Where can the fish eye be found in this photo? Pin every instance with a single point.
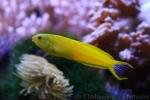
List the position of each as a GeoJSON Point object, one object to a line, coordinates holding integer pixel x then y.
{"type": "Point", "coordinates": [39, 37]}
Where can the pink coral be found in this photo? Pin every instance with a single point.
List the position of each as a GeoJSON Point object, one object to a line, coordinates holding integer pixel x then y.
{"type": "Point", "coordinates": [21, 18]}
{"type": "Point", "coordinates": [119, 32]}
{"type": "Point", "coordinates": [122, 29]}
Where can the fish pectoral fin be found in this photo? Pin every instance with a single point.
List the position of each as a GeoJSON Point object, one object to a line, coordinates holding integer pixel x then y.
{"type": "Point", "coordinates": [92, 65]}
{"type": "Point", "coordinates": [60, 51]}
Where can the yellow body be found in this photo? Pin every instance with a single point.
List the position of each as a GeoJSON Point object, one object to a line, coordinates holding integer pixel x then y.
{"type": "Point", "coordinates": [78, 51]}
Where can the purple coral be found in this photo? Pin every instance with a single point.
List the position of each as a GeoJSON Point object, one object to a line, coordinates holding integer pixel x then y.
{"type": "Point", "coordinates": [116, 27]}
{"type": "Point", "coordinates": [126, 54]}
{"type": "Point", "coordinates": [123, 30]}
{"type": "Point", "coordinates": [19, 18]}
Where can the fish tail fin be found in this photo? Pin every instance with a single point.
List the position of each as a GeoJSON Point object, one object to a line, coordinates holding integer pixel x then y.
{"type": "Point", "coordinates": [118, 68]}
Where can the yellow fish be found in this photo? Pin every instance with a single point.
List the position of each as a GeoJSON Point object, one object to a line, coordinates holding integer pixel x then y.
{"type": "Point", "coordinates": [81, 52]}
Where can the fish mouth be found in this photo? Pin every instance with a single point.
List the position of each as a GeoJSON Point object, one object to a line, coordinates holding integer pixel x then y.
{"type": "Point", "coordinates": [33, 38]}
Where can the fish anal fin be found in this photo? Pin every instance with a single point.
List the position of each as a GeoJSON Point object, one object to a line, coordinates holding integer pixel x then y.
{"type": "Point", "coordinates": [92, 65]}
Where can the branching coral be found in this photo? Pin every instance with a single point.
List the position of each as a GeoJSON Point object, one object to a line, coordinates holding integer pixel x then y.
{"type": "Point", "coordinates": [138, 44]}
{"type": "Point", "coordinates": [122, 28]}
{"type": "Point", "coordinates": [19, 18]}
{"type": "Point", "coordinates": [120, 31]}
{"type": "Point", "coordinates": [43, 78]}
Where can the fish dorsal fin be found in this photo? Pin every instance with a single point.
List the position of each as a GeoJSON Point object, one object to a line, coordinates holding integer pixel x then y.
{"type": "Point", "coordinates": [99, 50]}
